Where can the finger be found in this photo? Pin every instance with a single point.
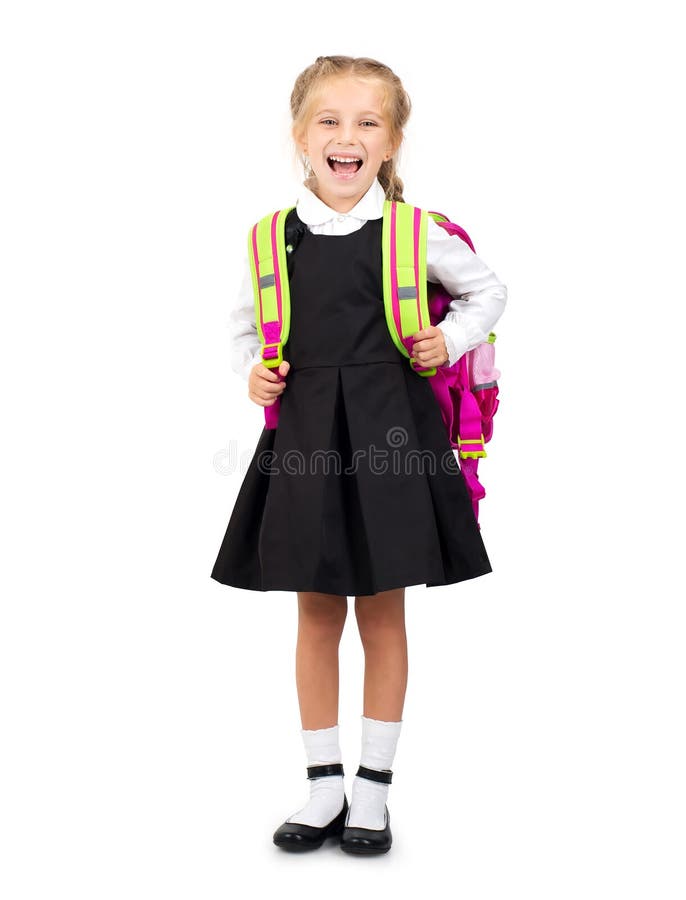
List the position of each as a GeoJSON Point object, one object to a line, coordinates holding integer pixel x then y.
{"type": "Point", "coordinates": [435, 357]}
{"type": "Point", "coordinates": [267, 374]}
{"type": "Point", "coordinates": [428, 332]}
{"type": "Point", "coordinates": [263, 399]}
{"type": "Point", "coordinates": [263, 391]}
{"type": "Point", "coordinates": [429, 345]}
{"type": "Point", "coordinates": [261, 402]}
{"type": "Point", "coordinates": [430, 342]}
{"type": "Point", "coordinates": [268, 389]}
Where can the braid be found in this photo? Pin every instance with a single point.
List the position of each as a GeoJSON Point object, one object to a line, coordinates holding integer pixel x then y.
{"type": "Point", "coordinates": [391, 181]}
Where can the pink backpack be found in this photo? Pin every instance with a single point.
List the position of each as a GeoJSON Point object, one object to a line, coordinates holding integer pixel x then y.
{"type": "Point", "coordinates": [467, 392]}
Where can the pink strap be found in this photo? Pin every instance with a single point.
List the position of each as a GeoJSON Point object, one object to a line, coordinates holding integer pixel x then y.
{"type": "Point", "coordinates": [474, 487]}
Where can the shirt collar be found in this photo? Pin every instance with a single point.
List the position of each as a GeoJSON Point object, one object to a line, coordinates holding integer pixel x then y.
{"type": "Point", "coordinates": [313, 211]}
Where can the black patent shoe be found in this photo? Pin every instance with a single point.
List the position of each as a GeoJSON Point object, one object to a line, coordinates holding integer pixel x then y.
{"type": "Point", "coordinates": [355, 839]}
{"type": "Point", "coordinates": [296, 837]}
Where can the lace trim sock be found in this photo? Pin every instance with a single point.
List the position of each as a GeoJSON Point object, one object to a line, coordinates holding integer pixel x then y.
{"type": "Point", "coordinates": [368, 798]}
{"type": "Point", "coordinates": [326, 792]}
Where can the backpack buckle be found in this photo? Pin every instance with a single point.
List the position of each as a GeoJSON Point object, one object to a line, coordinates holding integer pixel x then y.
{"type": "Point", "coordinates": [272, 354]}
{"type": "Point", "coordinates": [474, 447]}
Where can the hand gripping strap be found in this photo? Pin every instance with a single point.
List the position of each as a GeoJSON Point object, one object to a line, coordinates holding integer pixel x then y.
{"type": "Point", "coordinates": [385, 775]}
{"type": "Point", "coordinates": [325, 769]}
{"type": "Point", "coordinates": [406, 306]}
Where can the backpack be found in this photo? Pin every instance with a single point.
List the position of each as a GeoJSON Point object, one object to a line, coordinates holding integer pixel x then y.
{"type": "Point", "coordinates": [466, 392]}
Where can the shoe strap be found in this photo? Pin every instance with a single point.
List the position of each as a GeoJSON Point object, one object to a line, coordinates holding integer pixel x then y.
{"type": "Point", "coordinates": [385, 775]}
{"type": "Point", "coordinates": [325, 769]}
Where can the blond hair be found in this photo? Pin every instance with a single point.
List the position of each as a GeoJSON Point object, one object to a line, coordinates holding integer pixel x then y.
{"type": "Point", "coordinates": [396, 103]}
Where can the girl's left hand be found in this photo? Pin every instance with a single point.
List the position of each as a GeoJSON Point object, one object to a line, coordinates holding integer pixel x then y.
{"type": "Point", "coordinates": [429, 347]}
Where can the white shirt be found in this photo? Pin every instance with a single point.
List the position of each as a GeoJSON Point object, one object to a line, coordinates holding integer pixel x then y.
{"type": "Point", "coordinates": [478, 296]}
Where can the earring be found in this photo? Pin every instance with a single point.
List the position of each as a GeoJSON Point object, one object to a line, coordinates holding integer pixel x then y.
{"type": "Point", "coordinates": [308, 167]}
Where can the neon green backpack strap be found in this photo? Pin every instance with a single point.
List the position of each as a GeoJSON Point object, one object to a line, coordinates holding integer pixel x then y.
{"type": "Point", "coordinates": [404, 276]}
{"type": "Point", "coordinates": [267, 257]}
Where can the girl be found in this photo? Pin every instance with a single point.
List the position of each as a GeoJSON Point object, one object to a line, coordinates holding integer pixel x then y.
{"type": "Point", "coordinates": [359, 524]}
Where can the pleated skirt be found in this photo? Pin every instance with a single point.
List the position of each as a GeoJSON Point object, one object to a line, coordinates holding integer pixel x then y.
{"type": "Point", "coordinates": [357, 491]}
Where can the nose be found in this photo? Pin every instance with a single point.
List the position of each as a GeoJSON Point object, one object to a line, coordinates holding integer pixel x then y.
{"type": "Point", "coordinates": [345, 133]}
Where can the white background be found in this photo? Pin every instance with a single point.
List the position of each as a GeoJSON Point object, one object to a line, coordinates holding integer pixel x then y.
{"type": "Point", "coordinates": [151, 728]}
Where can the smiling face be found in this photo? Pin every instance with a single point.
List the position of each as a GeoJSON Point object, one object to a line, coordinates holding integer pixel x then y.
{"type": "Point", "coordinates": [347, 138]}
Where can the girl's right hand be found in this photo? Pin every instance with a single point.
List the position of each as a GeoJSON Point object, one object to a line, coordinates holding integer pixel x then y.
{"type": "Point", "coordinates": [266, 385]}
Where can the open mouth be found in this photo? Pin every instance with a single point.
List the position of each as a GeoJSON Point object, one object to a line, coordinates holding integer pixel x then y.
{"type": "Point", "coordinates": [347, 166]}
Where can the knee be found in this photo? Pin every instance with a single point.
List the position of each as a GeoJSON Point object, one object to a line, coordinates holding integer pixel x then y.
{"type": "Point", "coordinates": [378, 622]}
{"type": "Point", "coordinates": [324, 614]}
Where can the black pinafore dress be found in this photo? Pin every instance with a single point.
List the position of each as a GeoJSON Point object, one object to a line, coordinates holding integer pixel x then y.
{"type": "Point", "coordinates": [358, 489]}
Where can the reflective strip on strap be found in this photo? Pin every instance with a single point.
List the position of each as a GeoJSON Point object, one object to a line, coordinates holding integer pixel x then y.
{"type": "Point", "coordinates": [407, 293]}
{"type": "Point", "coordinates": [267, 281]}
{"type": "Point", "coordinates": [486, 384]}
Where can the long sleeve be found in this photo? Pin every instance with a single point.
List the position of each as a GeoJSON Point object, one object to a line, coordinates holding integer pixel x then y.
{"type": "Point", "coordinates": [246, 349]}
{"type": "Point", "coordinates": [478, 296]}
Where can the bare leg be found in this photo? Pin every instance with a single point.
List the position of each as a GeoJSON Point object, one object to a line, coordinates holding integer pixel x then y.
{"type": "Point", "coordinates": [381, 623]}
{"type": "Point", "coordinates": [321, 618]}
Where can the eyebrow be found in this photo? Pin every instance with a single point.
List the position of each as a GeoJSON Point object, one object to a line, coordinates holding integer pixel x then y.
{"type": "Point", "coordinates": [366, 112]}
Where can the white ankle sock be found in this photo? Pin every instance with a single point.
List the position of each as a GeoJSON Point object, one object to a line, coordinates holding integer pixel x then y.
{"type": "Point", "coordinates": [368, 797]}
{"type": "Point", "coordinates": [326, 792]}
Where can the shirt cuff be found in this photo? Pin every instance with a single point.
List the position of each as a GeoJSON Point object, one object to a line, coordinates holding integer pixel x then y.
{"type": "Point", "coordinates": [455, 341]}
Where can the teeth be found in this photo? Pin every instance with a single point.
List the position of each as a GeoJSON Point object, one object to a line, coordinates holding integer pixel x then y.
{"type": "Point", "coordinates": [345, 159]}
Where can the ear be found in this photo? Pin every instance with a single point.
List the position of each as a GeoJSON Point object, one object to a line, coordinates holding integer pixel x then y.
{"type": "Point", "coordinates": [391, 151]}
{"type": "Point", "coordinates": [300, 141]}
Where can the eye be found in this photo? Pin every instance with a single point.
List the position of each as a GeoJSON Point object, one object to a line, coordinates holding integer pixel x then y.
{"type": "Point", "coordinates": [369, 122]}
{"type": "Point", "coordinates": [328, 122]}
